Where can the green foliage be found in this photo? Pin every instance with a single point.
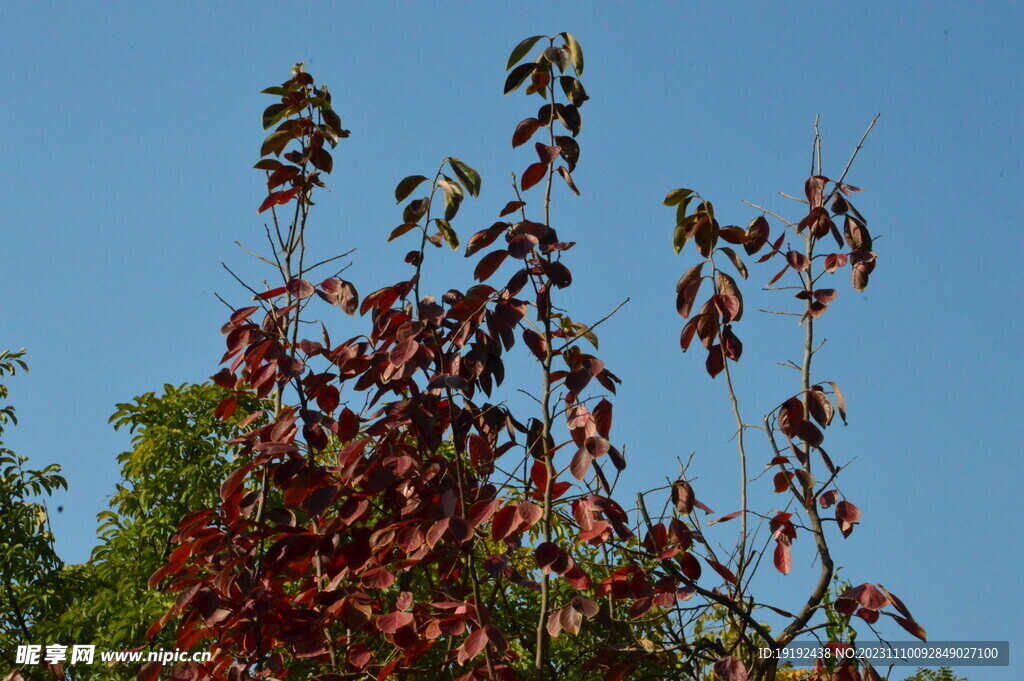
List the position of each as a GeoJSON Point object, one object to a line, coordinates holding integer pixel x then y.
{"type": "Point", "coordinates": [940, 674]}
{"type": "Point", "coordinates": [175, 466]}
{"type": "Point", "coordinates": [30, 570]}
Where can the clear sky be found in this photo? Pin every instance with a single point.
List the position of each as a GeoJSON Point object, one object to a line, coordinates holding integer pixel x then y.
{"type": "Point", "coordinates": [129, 131]}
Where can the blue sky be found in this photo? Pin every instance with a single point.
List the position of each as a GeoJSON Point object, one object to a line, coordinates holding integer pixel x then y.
{"type": "Point", "coordinates": [129, 132]}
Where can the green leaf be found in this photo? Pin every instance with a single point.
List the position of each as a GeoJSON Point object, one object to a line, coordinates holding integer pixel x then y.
{"type": "Point", "coordinates": [681, 209]}
{"type": "Point", "coordinates": [518, 76]}
{"type": "Point", "coordinates": [402, 229]}
{"type": "Point", "coordinates": [706, 236]}
{"type": "Point", "coordinates": [277, 90]}
{"type": "Point", "coordinates": [735, 259]}
{"type": "Point", "coordinates": [451, 205]}
{"type": "Point", "coordinates": [276, 142]}
{"type": "Point", "coordinates": [407, 186]}
{"type": "Point", "coordinates": [450, 186]}
{"type": "Point", "coordinates": [449, 234]}
{"type": "Point", "coordinates": [272, 114]}
{"type": "Point", "coordinates": [575, 52]}
{"type": "Point", "coordinates": [573, 90]}
{"type": "Point", "coordinates": [469, 177]}
{"type": "Point", "coordinates": [521, 49]}
{"type": "Point", "coordinates": [707, 208]}
{"type": "Point", "coordinates": [679, 238]}
{"type": "Point", "coordinates": [677, 196]}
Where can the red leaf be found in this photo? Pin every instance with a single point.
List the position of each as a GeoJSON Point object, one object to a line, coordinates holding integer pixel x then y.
{"type": "Point", "coordinates": [529, 513]}
{"type": "Point", "coordinates": [272, 293]}
{"type": "Point", "coordinates": [688, 332]}
{"type": "Point", "coordinates": [580, 464]}
{"type": "Point", "coordinates": [489, 264]}
{"type": "Point", "coordinates": [328, 398]}
{"type": "Point", "coordinates": [798, 261]}
{"type": "Point", "coordinates": [271, 200]}
{"type": "Point", "coordinates": [835, 261]}
{"type": "Point", "coordinates": [814, 190]}
{"type": "Point", "coordinates": [393, 621]}
{"type": "Point", "coordinates": [840, 401]}
{"type": "Point", "coordinates": [756, 235]}
{"type": "Point", "coordinates": [524, 131]}
{"type": "Point", "coordinates": [300, 288]}
{"type": "Point", "coordinates": [547, 554]}
{"type": "Point", "coordinates": [730, 669]}
{"type": "Point", "coordinates": [778, 276]}
{"type": "Point", "coordinates": [386, 670]}
{"type": "Point", "coordinates": [869, 616]}
{"type": "Point", "coordinates": [150, 671]}
{"type": "Point", "coordinates": [536, 343]}
{"type": "Point", "coordinates": [564, 172]}
{"type": "Point", "coordinates": [570, 620]}
{"type": "Point", "coordinates": [726, 518]}
{"type": "Point", "coordinates": [868, 596]}
{"type": "Point", "coordinates": [545, 153]}
{"type": "Point", "coordinates": [234, 481]}
{"type": "Point", "coordinates": [539, 475]}
{"type": "Point", "coordinates": [716, 361]}
{"type": "Point", "coordinates": [726, 574]}
{"type": "Point", "coordinates": [511, 207]}
{"type": "Point", "coordinates": [504, 522]}
{"type": "Point", "coordinates": [403, 352]}
{"type": "Point", "coordinates": [781, 481]}
{"type": "Point", "coordinates": [912, 626]}
{"type": "Point", "coordinates": [603, 417]}
{"type": "Point", "coordinates": [691, 566]}
{"type": "Point", "coordinates": [377, 578]}
{"type": "Point", "coordinates": [496, 638]}
{"type": "Point", "coordinates": [226, 408]}
{"type": "Point", "coordinates": [783, 559]}
{"type": "Point", "coordinates": [482, 511]}
{"type": "Point", "coordinates": [683, 497]}
{"type": "Point", "coordinates": [534, 174]}
{"type": "Point", "coordinates": [846, 515]}
{"type": "Point", "coordinates": [557, 272]}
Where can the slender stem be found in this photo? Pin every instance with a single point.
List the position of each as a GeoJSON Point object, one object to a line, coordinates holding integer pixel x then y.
{"type": "Point", "coordinates": [540, 654]}
{"type": "Point", "coordinates": [824, 555]}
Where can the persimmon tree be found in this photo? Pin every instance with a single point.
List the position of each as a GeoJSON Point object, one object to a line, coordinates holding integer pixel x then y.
{"type": "Point", "coordinates": [394, 515]}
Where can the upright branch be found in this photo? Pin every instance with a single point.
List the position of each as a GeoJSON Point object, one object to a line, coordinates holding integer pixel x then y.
{"type": "Point", "coordinates": [800, 419]}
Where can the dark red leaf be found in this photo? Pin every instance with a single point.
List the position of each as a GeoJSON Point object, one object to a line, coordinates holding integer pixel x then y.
{"type": "Point", "coordinates": [846, 515]}
{"type": "Point", "coordinates": [489, 264]}
{"type": "Point", "coordinates": [150, 671]}
{"type": "Point", "coordinates": [564, 172]}
{"type": "Point", "coordinates": [798, 261]}
{"type": "Point", "coordinates": [534, 174]}
{"type": "Point", "coordinates": [524, 131]}
{"type": "Point", "coordinates": [730, 669]}
{"type": "Point", "coordinates": [715, 362]}
{"type": "Point", "coordinates": [511, 207]}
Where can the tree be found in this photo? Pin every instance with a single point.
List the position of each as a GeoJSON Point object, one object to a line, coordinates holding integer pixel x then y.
{"type": "Point", "coordinates": [175, 466]}
{"type": "Point", "coordinates": [940, 674]}
{"type": "Point", "coordinates": [433, 530]}
{"type": "Point", "coordinates": [31, 580]}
